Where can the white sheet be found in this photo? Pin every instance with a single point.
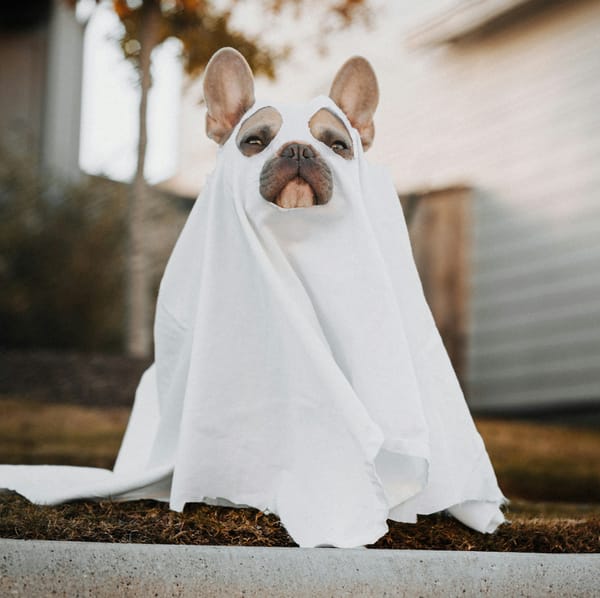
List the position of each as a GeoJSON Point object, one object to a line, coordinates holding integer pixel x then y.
{"type": "Point", "coordinates": [298, 369]}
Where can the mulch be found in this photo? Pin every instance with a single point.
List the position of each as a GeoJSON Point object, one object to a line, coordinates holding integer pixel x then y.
{"type": "Point", "coordinates": [149, 522]}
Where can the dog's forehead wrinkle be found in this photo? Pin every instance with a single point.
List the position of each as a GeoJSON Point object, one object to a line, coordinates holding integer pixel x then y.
{"type": "Point", "coordinates": [325, 122]}
{"type": "Point", "coordinates": [327, 114]}
{"type": "Point", "coordinates": [331, 134]}
{"type": "Point", "coordinates": [266, 116]}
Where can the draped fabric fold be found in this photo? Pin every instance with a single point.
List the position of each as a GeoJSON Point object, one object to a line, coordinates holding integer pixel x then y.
{"type": "Point", "coordinates": [297, 369]}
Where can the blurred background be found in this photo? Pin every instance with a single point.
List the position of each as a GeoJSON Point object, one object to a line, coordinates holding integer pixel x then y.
{"type": "Point", "coordinates": [489, 121]}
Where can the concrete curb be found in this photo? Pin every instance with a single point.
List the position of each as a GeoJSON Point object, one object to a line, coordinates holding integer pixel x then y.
{"type": "Point", "coordinates": [38, 568]}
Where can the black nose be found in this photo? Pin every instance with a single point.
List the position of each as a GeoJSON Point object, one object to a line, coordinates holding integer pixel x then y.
{"type": "Point", "coordinates": [298, 151]}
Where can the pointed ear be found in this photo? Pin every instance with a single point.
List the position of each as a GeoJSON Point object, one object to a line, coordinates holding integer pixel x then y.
{"type": "Point", "coordinates": [228, 92]}
{"type": "Point", "coordinates": [355, 91]}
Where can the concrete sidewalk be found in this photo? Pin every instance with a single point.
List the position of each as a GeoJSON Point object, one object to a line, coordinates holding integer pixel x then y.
{"type": "Point", "coordinates": [39, 568]}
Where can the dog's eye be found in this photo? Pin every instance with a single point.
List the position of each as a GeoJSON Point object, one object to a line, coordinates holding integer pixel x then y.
{"type": "Point", "coordinates": [254, 140]}
{"type": "Point", "coordinates": [339, 146]}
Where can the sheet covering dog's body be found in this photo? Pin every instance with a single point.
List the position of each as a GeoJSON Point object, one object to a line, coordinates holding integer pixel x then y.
{"type": "Point", "coordinates": [298, 369]}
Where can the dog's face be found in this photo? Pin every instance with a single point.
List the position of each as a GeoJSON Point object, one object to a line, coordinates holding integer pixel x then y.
{"type": "Point", "coordinates": [297, 175]}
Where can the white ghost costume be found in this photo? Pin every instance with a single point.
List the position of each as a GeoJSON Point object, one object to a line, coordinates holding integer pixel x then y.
{"type": "Point", "coordinates": [298, 369]}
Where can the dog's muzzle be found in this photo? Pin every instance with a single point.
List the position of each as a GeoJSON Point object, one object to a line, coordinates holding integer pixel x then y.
{"type": "Point", "coordinates": [296, 177]}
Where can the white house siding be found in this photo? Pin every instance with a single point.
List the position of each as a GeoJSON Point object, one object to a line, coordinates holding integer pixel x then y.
{"type": "Point", "coordinates": [516, 114]}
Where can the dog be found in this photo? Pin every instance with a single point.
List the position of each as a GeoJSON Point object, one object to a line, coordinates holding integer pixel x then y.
{"type": "Point", "coordinates": [298, 175]}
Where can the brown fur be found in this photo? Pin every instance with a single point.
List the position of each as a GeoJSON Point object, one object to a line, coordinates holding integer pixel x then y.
{"type": "Point", "coordinates": [297, 176]}
{"type": "Point", "coordinates": [356, 92]}
{"type": "Point", "coordinates": [284, 177]}
{"type": "Point", "coordinates": [228, 92]}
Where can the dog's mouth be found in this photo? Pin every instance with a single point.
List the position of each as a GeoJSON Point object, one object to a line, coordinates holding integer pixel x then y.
{"type": "Point", "coordinates": [290, 182]}
{"type": "Point", "coordinates": [296, 194]}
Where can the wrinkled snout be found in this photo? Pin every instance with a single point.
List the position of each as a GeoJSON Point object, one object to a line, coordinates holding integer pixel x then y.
{"type": "Point", "coordinates": [296, 177]}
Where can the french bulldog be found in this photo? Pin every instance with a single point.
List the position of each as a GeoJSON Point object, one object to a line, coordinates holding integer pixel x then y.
{"type": "Point", "coordinates": [298, 175]}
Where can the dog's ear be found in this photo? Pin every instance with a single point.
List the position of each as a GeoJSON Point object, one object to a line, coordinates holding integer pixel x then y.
{"type": "Point", "coordinates": [228, 92]}
{"type": "Point", "coordinates": [355, 91]}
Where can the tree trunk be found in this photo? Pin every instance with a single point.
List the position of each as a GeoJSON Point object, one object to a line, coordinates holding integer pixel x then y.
{"type": "Point", "coordinates": [138, 326]}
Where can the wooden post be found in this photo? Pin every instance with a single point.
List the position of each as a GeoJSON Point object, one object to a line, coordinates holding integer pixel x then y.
{"type": "Point", "coordinates": [439, 228]}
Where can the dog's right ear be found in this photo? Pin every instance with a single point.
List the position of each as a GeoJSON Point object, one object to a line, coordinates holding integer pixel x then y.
{"type": "Point", "coordinates": [228, 92]}
{"type": "Point", "coordinates": [355, 91]}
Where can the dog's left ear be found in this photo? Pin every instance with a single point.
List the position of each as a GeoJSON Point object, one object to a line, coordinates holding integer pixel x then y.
{"type": "Point", "coordinates": [356, 92]}
{"type": "Point", "coordinates": [228, 92]}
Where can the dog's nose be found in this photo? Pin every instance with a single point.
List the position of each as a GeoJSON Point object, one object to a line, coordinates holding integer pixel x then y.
{"type": "Point", "coordinates": [298, 151]}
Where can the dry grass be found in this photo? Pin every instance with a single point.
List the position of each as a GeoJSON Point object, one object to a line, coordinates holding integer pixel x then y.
{"type": "Point", "coordinates": [542, 462]}
{"type": "Point", "coordinates": [43, 433]}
